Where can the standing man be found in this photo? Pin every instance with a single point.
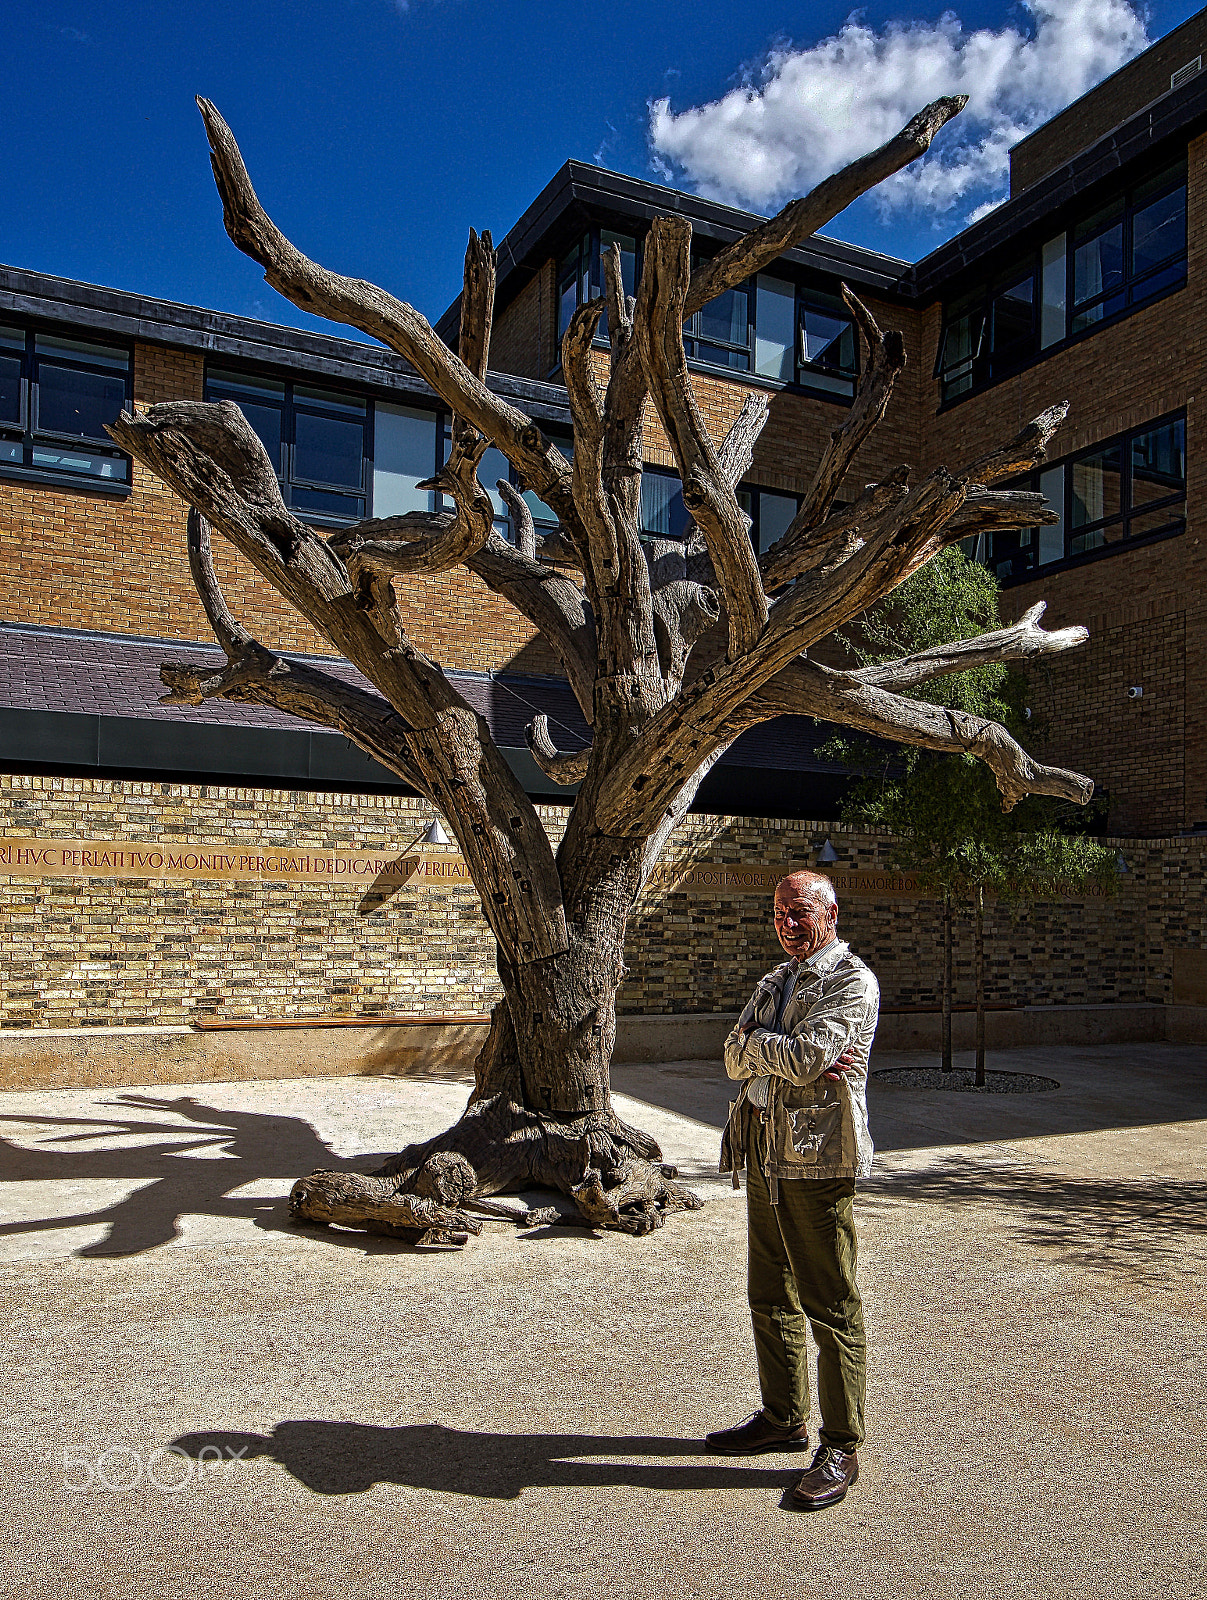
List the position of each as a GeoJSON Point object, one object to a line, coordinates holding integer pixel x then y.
{"type": "Point", "coordinates": [800, 1127]}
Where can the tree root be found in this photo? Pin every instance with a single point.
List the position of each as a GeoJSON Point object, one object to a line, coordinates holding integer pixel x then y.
{"type": "Point", "coordinates": [439, 1192]}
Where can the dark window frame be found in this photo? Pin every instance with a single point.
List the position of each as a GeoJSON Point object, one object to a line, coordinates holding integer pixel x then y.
{"type": "Point", "coordinates": [1129, 208]}
{"type": "Point", "coordinates": [580, 265]}
{"type": "Point", "coordinates": [1136, 291]}
{"type": "Point", "coordinates": [693, 339]}
{"type": "Point", "coordinates": [1174, 503]}
{"type": "Point", "coordinates": [589, 263]}
{"type": "Point", "coordinates": [29, 436]}
{"type": "Point", "coordinates": [290, 406]}
{"type": "Point", "coordinates": [748, 498]}
{"type": "Point", "coordinates": [808, 298]}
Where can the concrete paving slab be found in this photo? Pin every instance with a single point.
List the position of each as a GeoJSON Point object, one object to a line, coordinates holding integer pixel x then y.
{"type": "Point", "coordinates": [523, 1418]}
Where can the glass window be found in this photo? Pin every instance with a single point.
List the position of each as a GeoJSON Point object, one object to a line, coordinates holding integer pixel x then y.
{"type": "Point", "coordinates": [774, 328]}
{"type": "Point", "coordinates": [961, 346]}
{"type": "Point", "coordinates": [1012, 336]}
{"type": "Point", "coordinates": [404, 454]}
{"type": "Point", "coordinates": [828, 345]}
{"type": "Point", "coordinates": [1128, 488]}
{"type": "Point", "coordinates": [56, 397]}
{"type": "Point", "coordinates": [1097, 490]}
{"type": "Point", "coordinates": [1053, 275]}
{"type": "Point", "coordinates": [580, 275]}
{"type": "Point", "coordinates": [316, 439]}
{"type": "Point", "coordinates": [723, 320]}
{"type": "Point", "coordinates": [11, 392]}
{"type": "Point", "coordinates": [1009, 552]}
{"type": "Point", "coordinates": [493, 466]}
{"type": "Point", "coordinates": [663, 514]}
{"type": "Point", "coordinates": [1159, 240]}
{"type": "Point", "coordinates": [1159, 463]}
{"type": "Point", "coordinates": [1130, 250]}
{"type": "Point", "coordinates": [77, 403]}
{"type": "Point", "coordinates": [776, 512]}
{"type": "Point", "coordinates": [1050, 544]}
{"type": "Point", "coordinates": [573, 284]}
{"type": "Point", "coordinates": [328, 450]}
{"type": "Point", "coordinates": [1120, 255]}
{"type": "Point", "coordinates": [1098, 277]}
{"type": "Point", "coordinates": [720, 332]}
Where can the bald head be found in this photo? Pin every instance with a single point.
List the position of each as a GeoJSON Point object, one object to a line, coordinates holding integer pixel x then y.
{"type": "Point", "coordinates": [806, 913]}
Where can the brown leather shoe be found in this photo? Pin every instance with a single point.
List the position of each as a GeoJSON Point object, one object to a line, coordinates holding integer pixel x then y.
{"type": "Point", "coordinates": [827, 1480]}
{"type": "Point", "coordinates": [755, 1436]}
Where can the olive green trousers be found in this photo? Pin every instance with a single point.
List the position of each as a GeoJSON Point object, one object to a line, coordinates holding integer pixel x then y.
{"type": "Point", "coordinates": [801, 1273]}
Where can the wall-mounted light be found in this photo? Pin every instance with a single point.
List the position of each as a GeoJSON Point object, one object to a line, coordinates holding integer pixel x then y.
{"type": "Point", "coordinates": [435, 834]}
{"type": "Point", "coordinates": [827, 855]}
{"type": "Point", "coordinates": [1136, 692]}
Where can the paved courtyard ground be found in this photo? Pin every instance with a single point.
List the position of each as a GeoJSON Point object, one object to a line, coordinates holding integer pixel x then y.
{"type": "Point", "coordinates": [523, 1419]}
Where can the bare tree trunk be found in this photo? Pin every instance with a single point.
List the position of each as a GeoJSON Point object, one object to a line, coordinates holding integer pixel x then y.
{"type": "Point", "coordinates": [540, 1115]}
{"type": "Point", "coordinates": [947, 978]}
{"type": "Point", "coordinates": [980, 986]}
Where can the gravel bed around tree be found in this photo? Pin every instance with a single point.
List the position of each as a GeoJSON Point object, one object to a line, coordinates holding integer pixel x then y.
{"type": "Point", "coordinates": [964, 1080]}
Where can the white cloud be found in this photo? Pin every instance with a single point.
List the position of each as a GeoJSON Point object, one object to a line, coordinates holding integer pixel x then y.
{"type": "Point", "coordinates": [804, 113]}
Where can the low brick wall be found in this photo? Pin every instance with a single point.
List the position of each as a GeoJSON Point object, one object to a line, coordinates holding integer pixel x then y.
{"type": "Point", "coordinates": [106, 952]}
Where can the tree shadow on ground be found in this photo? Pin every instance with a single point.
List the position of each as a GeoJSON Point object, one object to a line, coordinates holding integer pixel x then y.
{"type": "Point", "coordinates": [350, 1457]}
{"type": "Point", "coordinates": [1142, 1226]}
{"type": "Point", "coordinates": [236, 1148]}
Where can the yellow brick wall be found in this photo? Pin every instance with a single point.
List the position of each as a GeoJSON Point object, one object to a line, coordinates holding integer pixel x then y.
{"type": "Point", "coordinates": [99, 952]}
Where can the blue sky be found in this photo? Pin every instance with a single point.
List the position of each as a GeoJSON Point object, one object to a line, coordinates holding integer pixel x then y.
{"type": "Point", "coordinates": [378, 132]}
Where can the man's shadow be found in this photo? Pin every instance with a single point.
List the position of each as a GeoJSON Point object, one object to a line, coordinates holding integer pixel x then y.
{"type": "Point", "coordinates": [236, 1148]}
{"type": "Point", "coordinates": [350, 1457]}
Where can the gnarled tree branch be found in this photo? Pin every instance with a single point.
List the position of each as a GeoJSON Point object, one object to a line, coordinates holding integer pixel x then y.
{"type": "Point", "coordinates": [1021, 641]}
{"type": "Point", "coordinates": [562, 766]}
{"type": "Point", "coordinates": [191, 446]}
{"type": "Point", "coordinates": [794, 554]}
{"type": "Point", "coordinates": [396, 324]}
{"type": "Point", "coordinates": [886, 358]}
{"type": "Point", "coordinates": [521, 518]}
{"type": "Point", "coordinates": [258, 676]}
{"type": "Point", "coordinates": [707, 492]}
{"type": "Point", "coordinates": [1023, 453]}
{"type": "Point", "coordinates": [801, 218]}
{"type": "Point", "coordinates": [810, 689]}
{"type": "Point", "coordinates": [736, 450]}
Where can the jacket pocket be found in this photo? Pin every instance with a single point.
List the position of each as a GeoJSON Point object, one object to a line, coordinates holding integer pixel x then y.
{"type": "Point", "coordinates": [806, 1136]}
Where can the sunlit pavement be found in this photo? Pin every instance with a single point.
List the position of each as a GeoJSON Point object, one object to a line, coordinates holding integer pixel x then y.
{"type": "Point", "coordinates": [351, 1416]}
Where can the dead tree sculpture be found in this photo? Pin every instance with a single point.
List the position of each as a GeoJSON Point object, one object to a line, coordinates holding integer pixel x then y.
{"type": "Point", "coordinates": [623, 617]}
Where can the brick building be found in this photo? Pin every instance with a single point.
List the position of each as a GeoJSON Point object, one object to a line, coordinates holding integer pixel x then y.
{"type": "Point", "coordinates": [1085, 285]}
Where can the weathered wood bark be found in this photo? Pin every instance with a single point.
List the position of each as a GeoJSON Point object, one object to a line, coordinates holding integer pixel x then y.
{"type": "Point", "coordinates": [623, 615]}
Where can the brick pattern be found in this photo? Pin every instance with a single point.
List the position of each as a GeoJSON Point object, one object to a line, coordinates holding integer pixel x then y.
{"type": "Point", "coordinates": [107, 952]}
{"type": "Point", "coordinates": [523, 339]}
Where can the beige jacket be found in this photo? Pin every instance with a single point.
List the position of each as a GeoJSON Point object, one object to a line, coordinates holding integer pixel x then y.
{"type": "Point", "coordinates": [817, 1128]}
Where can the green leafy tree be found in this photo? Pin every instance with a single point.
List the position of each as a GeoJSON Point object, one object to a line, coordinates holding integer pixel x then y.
{"type": "Point", "coordinates": [945, 811]}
